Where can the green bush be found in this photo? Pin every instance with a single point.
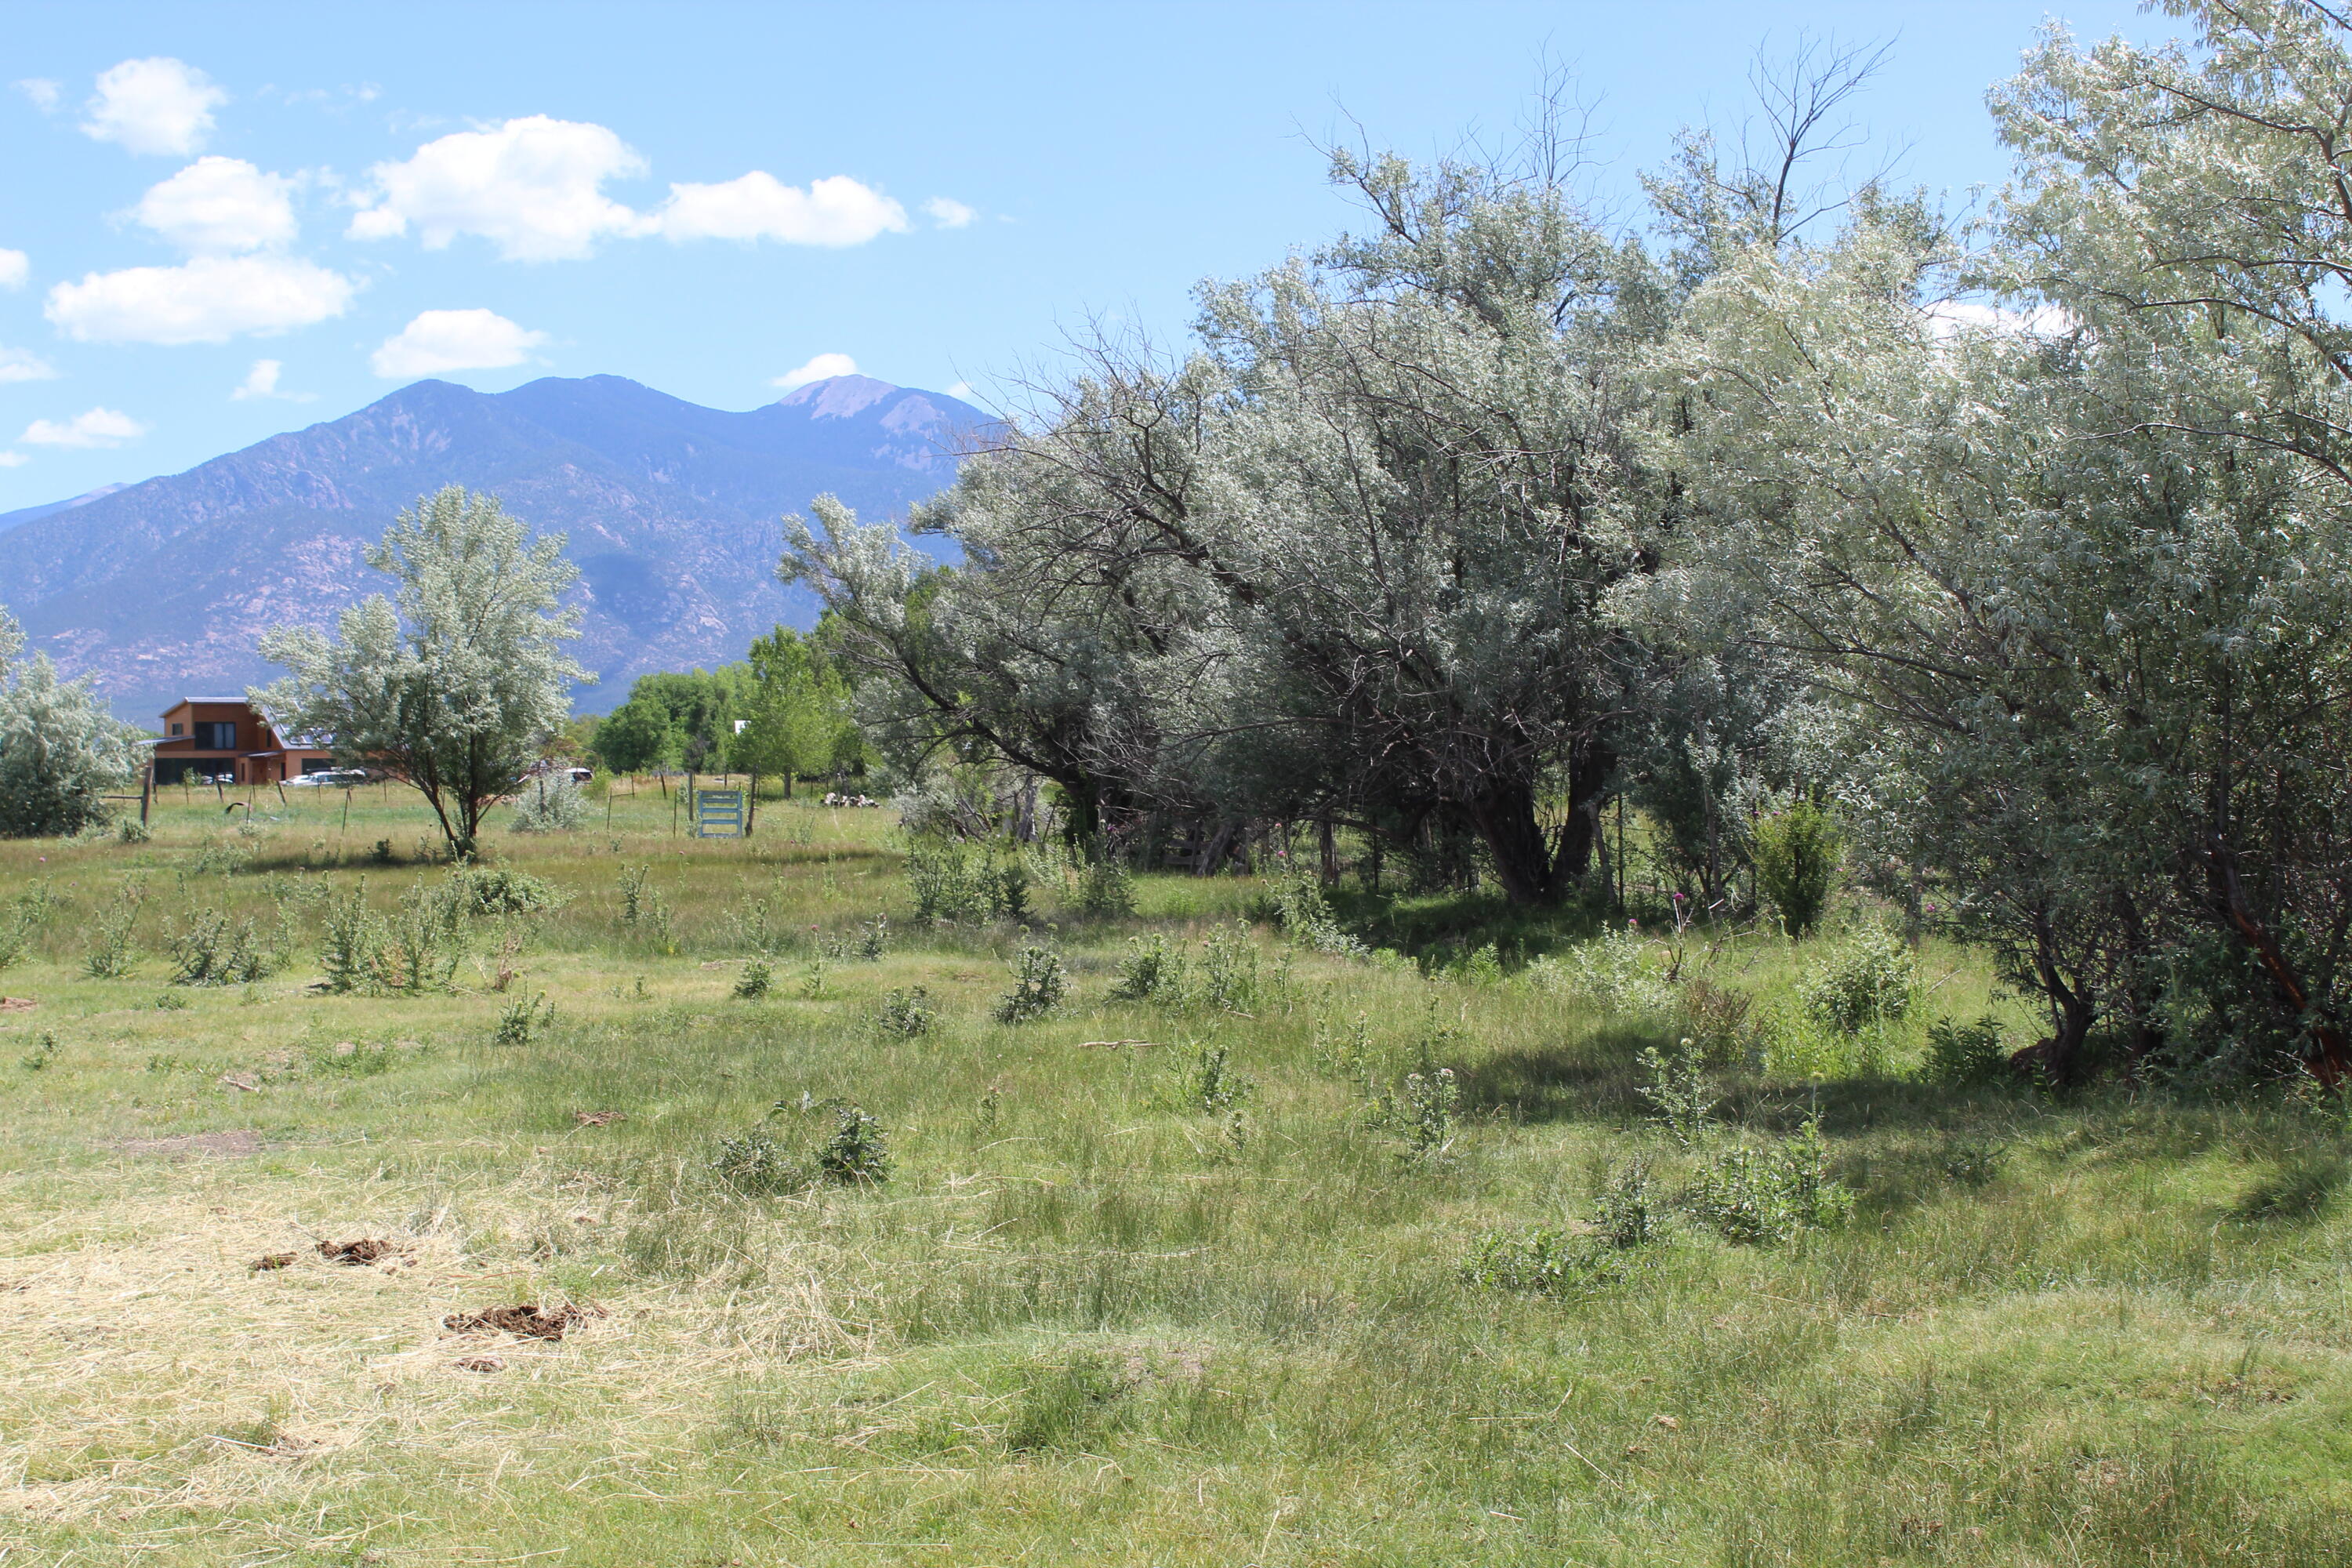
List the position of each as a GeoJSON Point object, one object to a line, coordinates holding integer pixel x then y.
{"type": "Point", "coordinates": [906, 1014]}
{"type": "Point", "coordinates": [1038, 987]}
{"type": "Point", "coordinates": [1797, 854]}
{"type": "Point", "coordinates": [753, 983]}
{"type": "Point", "coordinates": [210, 948]}
{"type": "Point", "coordinates": [1766, 1195]}
{"type": "Point", "coordinates": [551, 803]}
{"type": "Point", "coordinates": [1866, 980]}
{"type": "Point", "coordinates": [484, 892]}
{"type": "Point", "coordinates": [1966, 1056]}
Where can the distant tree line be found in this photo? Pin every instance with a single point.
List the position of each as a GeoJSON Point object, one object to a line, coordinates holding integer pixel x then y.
{"type": "Point", "coordinates": [783, 712]}
{"type": "Point", "coordinates": [2021, 544]}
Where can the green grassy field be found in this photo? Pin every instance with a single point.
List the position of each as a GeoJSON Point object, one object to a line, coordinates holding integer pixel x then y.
{"type": "Point", "coordinates": [1120, 1300]}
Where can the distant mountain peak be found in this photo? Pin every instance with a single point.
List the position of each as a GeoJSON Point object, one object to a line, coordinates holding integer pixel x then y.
{"type": "Point", "coordinates": [837, 396]}
{"type": "Point", "coordinates": [670, 509]}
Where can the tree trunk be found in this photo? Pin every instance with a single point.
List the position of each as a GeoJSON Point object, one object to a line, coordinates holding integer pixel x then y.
{"type": "Point", "coordinates": [1525, 864]}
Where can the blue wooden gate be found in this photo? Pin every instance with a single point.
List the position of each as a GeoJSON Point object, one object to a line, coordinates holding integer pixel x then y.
{"type": "Point", "coordinates": [718, 814]}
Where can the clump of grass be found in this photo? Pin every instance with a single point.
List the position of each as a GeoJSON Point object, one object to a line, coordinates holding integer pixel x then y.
{"type": "Point", "coordinates": [2299, 1190]}
{"type": "Point", "coordinates": [1069, 1405]}
{"type": "Point", "coordinates": [43, 1053]}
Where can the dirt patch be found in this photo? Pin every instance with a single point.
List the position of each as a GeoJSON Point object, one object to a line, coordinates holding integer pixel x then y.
{"type": "Point", "coordinates": [17, 1004]}
{"type": "Point", "coordinates": [526, 1320]}
{"type": "Point", "coordinates": [358, 1254]}
{"type": "Point", "coordinates": [480, 1364]}
{"type": "Point", "coordinates": [599, 1118]}
{"type": "Point", "coordinates": [221, 1146]}
{"type": "Point", "coordinates": [268, 1261]}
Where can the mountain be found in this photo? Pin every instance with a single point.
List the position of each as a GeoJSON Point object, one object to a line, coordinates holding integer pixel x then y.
{"type": "Point", "coordinates": [11, 518]}
{"type": "Point", "coordinates": [161, 590]}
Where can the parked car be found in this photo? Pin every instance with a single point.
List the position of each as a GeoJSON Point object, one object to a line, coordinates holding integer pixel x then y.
{"type": "Point", "coordinates": [324, 778]}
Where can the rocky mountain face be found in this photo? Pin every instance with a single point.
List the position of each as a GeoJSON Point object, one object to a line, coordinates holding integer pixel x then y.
{"type": "Point", "coordinates": [162, 589]}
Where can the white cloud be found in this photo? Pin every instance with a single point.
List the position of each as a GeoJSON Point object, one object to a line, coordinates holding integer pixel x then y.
{"type": "Point", "coordinates": [962, 390]}
{"type": "Point", "coordinates": [531, 186]}
{"type": "Point", "coordinates": [159, 105]}
{"type": "Point", "coordinates": [219, 206]}
{"type": "Point", "coordinates": [44, 94]}
{"type": "Point", "coordinates": [261, 381]}
{"type": "Point", "coordinates": [14, 267]}
{"type": "Point", "coordinates": [454, 339]}
{"type": "Point", "coordinates": [23, 364]}
{"type": "Point", "coordinates": [948, 213]}
{"type": "Point", "coordinates": [13, 460]}
{"type": "Point", "coordinates": [821, 368]}
{"type": "Point", "coordinates": [207, 301]}
{"type": "Point", "coordinates": [95, 428]}
{"type": "Point", "coordinates": [836, 211]}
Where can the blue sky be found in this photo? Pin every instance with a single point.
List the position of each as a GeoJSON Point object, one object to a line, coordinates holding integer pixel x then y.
{"type": "Point", "coordinates": [224, 221]}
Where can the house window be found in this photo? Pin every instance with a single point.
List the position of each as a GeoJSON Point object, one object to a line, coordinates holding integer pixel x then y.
{"type": "Point", "coordinates": [216, 736]}
{"type": "Point", "coordinates": [179, 728]}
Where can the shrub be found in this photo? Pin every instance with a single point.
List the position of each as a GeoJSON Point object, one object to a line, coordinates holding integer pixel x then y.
{"type": "Point", "coordinates": [60, 750]}
{"type": "Point", "coordinates": [1306, 916]}
{"type": "Point", "coordinates": [1797, 854]}
{"type": "Point", "coordinates": [1211, 1086]}
{"type": "Point", "coordinates": [858, 1153]}
{"type": "Point", "coordinates": [753, 983]}
{"type": "Point", "coordinates": [551, 802]}
{"type": "Point", "coordinates": [524, 1021]}
{"type": "Point", "coordinates": [645, 910]}
{"type": "Point", "coordinates": [1038, 987]}
{"type": "Point", "coordinates": [759, 1163]}
{"type": "Point", "coordinates": [1966, 1056]}
{"type": "Point", "coordinates": [131, 831]}
{"type": "Point", "coordinates": [111, 950]}
{"type": "Point", "coordinates": [1766, 1195]}
{"type": "Point", "coordinates": [1630, 1211]}
{"type": "Point", "coordinates": [952, 881]}
{"type": "Point", "coordinates": [1617, 972]}
{"type": "Point", "coordinates": [1148, 970]}
{"type": "Point", "coordinates": [1425, 1111]}
{"type": "Point", "coordinates": [906, 1014]}
{"type": "Point", "coordinates": [351, 944]}
{"type": "Point", "coordinates": [1626, 1216]}
{"type": "Point", "coordinates": [1229, 971]}
{"type": "Point", "coordinates": [1104, 891]}
{"type": "Point", "coordinates": [483, 892]}
{"type": "Point", "coordinates": [1678, 1090]}
{"type": "Point", "coordinates": [209, 947]}
{"type": "Point", "coordinates": [1541, 1262]}
{"type": "Point", "coordinates": [1721, 1020]}
{"type": "Point", "coordinates": [1866, 980]}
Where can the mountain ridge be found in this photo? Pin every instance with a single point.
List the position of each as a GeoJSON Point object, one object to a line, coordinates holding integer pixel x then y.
{"type": "Point", "coordinates": [671, 512]}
